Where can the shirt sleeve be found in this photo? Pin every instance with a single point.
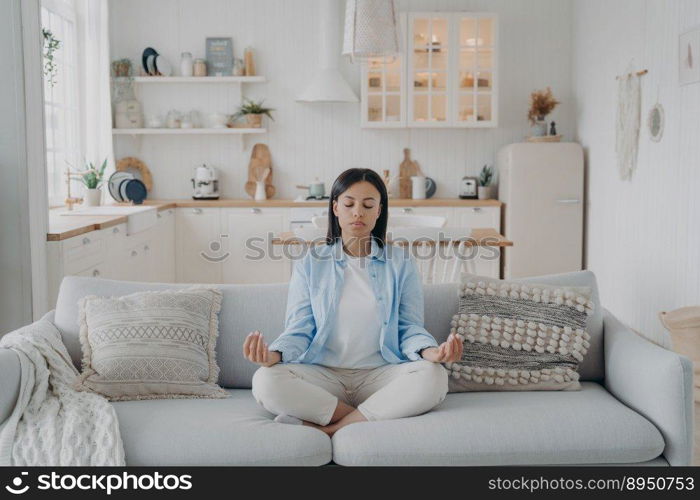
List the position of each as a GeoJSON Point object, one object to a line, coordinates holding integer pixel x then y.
{"type": "Point", "coordinates": [300, 326]}
{"type": "Point", "coordinates": [412, 335]}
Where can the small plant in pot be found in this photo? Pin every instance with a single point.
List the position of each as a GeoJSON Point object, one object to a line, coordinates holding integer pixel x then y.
{"type": "Point", "coordinates": [253, 112]}
{"type": "Point", "coordinates": [542, 102]}
{"type": "Point", "coordinates": [487, 188]}
{"type": "Point", "coordinates": [92, 178]}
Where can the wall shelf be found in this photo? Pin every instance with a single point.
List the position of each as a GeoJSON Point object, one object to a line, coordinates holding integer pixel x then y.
{"type": "Point", "coordinates": [195, 79]}
{"type": "Point", "coordinates": [188, 131]}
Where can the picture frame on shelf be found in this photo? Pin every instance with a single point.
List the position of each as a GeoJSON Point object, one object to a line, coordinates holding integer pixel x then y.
{"type": "Point", "coordinates": [219, 54]}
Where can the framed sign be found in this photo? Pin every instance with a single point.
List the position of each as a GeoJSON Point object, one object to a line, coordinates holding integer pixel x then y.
{"type": "Point", "coordinates": [220, 56]}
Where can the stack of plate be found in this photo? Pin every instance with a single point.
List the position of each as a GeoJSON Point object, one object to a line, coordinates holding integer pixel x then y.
{"type": "Point", "coordinates": [125, 187]}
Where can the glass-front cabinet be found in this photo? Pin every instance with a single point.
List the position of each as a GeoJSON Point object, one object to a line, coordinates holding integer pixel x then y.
{"type": "Point", "coordinates": [446, 77]}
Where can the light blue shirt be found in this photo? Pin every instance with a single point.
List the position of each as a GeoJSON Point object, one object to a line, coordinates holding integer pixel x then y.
{"type": "Point", "coordinates": [314, 292]}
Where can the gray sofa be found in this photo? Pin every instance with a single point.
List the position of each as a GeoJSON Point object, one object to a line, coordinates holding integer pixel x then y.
{"type": "Point", "coordinates": [635, 406]}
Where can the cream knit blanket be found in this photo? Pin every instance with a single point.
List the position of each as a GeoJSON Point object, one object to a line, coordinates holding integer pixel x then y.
{"type": "Point", "coordinates": [52, 424]}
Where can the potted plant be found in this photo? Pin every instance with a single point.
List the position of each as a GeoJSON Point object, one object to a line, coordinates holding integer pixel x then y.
{"type": "Point", "coordinates": [542, 102]}
{"type": "Point", "coordinates": [92, 178]}
{"type": "Point", "coordinates": [253, 112]}
{"type": "Point", "coordinates": [487, 188]}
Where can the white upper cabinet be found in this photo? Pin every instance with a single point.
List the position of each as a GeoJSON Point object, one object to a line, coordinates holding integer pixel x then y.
{"type": "Point", "coordinates": [445, 77]}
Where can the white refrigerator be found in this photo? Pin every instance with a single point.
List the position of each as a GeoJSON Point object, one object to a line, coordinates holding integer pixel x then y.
{"type": "Point", "coordinates": [541, 187]}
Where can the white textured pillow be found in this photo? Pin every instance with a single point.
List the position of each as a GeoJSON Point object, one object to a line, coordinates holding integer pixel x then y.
{"type": "Point", "coordinates": [151, 345]}
{"type": "Point", "coordinates": [519, 336]}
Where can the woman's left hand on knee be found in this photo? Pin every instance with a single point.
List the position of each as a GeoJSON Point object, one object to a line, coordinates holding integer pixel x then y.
{"type": "Point", "coordinates": [447, 352]}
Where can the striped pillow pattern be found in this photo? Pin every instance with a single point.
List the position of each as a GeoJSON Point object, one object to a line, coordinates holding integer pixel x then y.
{"type": "Point", "coordinates": [519, 336]}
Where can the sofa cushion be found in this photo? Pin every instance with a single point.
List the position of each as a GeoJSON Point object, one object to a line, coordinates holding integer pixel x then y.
{"type": "Point", "coordinates": [442, 302]}
{"type": "Point", "coordinates": [506, 428]}
{"type": "Point", "coordinates": [151, 345]}
{"type": "Point", "coordinates": [232, 431]}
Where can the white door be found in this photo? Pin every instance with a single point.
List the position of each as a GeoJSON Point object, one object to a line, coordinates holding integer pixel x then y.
{"type": "Point", "coordinates": [253, 258]}
{"type": "Point", "coordinates": [199, 245]}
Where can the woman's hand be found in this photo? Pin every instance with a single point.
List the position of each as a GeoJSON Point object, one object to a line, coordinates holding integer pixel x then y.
{"type": "Point", "coordinates": [448, 352]}
{"type": "Point", "coordinates": [255, 350]}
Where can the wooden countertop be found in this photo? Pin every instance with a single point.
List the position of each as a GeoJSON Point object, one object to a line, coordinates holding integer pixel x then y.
{"type": "Point", "coordinates": [484, 237]}
{"type": "Point", "coordinates": [62, 227]}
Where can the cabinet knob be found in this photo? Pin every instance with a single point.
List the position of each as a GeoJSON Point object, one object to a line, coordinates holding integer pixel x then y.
{"type": "Point", "coordinates": [476, 209]}
{"type": "Point", "coordinates": [146, 248]}
{"type": "Point", "coordinates": [134, 253]}
{"type": "Point", "coordinates": [255, 210]}
{"type": "Point", "coordinates": [96, 273]}
{"type": "Point", "coordinates": [571, 201]}
{"type": "Point", "coordinates": [407, 210]}
{"type": "Point", "coordinates": [159, 215]}
{"type": "Point", "coordinates": [115, 230]}
{"type": "Point", "coordinates": [170, 212]}
{"type": "Point", "coordinates": [86, 241]}
{"type": "Point", "coordinates": [197, 211]}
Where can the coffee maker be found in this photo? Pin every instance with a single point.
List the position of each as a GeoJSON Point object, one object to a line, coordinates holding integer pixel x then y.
{"type": "Point", "coordinates": [205, 183]}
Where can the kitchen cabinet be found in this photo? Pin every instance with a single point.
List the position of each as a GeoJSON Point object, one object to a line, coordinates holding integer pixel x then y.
{"type": "Point", "coordinates": [163, 247]}
{"type": "Point", "coordinates": [253, 259]}
{"type": "Point", "coordinates": [200, 245]}
{"type": "Point", "coordinates": [446, 75]}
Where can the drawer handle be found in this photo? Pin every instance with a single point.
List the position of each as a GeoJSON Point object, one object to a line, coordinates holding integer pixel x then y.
{"type": "Point", "coordinates": [570, 201]}
{"type": "Point", "coordinates": [146, 248]}
{"type": "Point", "coordinates": [134, 253]}
{"type": "Point", "coordinates": [407, 210]}
{"type": "Point", "coordinates": [115, 230]}
{"type": "Point", "coordinates": [159, 215]}
{"type": "Point", "coordinates": [170, 212]}
{"type": "Point", "coordinates": [197, 211]}
{"type": "Point", "coordinates": [86, 241]}
{"type": "Point", "coordinates": [96, 273]}
{"type": "Point", "coordinates": [255, 210]}
{"type": "Point", "coordinates": [476, 209]}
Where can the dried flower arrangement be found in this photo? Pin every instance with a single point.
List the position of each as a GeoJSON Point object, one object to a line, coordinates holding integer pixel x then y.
{"type": "Point", "coordinates": [542, 102]}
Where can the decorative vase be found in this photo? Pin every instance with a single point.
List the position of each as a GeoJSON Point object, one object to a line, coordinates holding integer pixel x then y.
{"type": "Point", "coordinates": [539, 129]}
{"type": "Point", "coordinates": [186, 64]}
{"type": "Point", "coordinates": [487, 192]}
{"type": "Point", "coordinates": [254, 121]}
{"type": "Point", "coordinates": [260, 194]}
{"type": "Point", "coordinates": [93, 197]}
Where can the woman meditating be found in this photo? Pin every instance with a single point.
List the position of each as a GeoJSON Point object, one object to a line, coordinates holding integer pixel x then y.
{"type": "Point", "coordinates": [354, 347]}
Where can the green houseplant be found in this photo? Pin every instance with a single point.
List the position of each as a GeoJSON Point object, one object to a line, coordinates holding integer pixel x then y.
{"type": "Point", "coordinates": [253, 112]}
{"type": "Point", "coordinates": [93, 178]}
{"type": "Point", "coordinates": [487, 189]}
{"type": "Point", "coordinates": [51, 45]}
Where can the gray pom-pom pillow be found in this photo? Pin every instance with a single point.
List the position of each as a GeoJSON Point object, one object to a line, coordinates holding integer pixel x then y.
{"type": "Point", "coordinates": [519, 337]}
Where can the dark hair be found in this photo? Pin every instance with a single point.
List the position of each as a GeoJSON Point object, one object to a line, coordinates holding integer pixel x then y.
{"type": "Point", "coordinates": [342, 184]}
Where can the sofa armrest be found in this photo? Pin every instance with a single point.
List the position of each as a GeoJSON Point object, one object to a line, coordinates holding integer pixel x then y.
{"type": "Point", "coordinates": [655, 382]}
{"type": "Point", "coordinates": [9, 382]}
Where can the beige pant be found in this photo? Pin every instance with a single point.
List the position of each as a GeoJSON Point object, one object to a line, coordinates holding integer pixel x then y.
{"type": "Point", "coordinates": [311, 392]}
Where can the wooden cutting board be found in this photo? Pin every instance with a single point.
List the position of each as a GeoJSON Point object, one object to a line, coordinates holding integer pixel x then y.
{"type": "Point", "coordinates": [260, 159]}
{"type": "Point", "coordinates": [407, 169]}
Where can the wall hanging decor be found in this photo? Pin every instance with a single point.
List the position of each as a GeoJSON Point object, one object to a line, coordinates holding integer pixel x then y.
{"type": "Point", "coordinates": [629, 95]}
{"type": "Point", "coordinates": [656, 120]}
{"type": "Point", "coordinates": [689, 57]}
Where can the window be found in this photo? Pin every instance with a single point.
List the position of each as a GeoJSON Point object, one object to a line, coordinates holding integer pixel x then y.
{"type": "Point", "coordinates": [61, 115]}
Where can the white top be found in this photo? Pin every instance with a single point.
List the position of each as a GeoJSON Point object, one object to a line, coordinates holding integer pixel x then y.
{"type": "Point", "coordinates": [355, 341]}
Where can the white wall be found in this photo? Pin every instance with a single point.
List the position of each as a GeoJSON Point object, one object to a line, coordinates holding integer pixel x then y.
{"type": "Point", "coordinates": [15, 268]}
{"type": "Point", "coordinates": [643, 235]}
{"type": "Point", "coordinates": [309, 140]}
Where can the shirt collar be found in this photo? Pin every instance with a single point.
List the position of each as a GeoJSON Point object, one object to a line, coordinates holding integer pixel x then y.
{"type": "Point", "coordinates": [376, 252]}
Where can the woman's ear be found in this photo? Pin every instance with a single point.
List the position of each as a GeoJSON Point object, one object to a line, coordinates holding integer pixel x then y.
{"type": "Point", "coordinates": [335, 208]}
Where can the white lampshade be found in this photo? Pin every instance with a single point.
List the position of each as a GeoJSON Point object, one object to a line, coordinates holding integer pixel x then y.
{"type": "Point", "coordinates": [371, 29]}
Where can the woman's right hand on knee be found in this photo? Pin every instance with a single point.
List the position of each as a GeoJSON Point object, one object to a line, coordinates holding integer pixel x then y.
{"type": "Point", "coordinates": [255, 350]}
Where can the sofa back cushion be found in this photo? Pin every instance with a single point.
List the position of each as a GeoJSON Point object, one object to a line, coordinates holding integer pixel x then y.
{"type": "Point", "coordinates": [246, 308]}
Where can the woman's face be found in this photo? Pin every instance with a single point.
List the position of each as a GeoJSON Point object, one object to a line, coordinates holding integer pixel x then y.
{"type": "Point", "coordinates": [358, 209]}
